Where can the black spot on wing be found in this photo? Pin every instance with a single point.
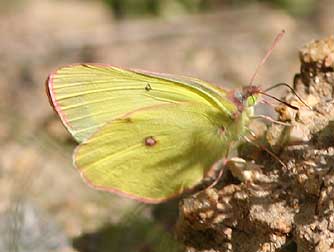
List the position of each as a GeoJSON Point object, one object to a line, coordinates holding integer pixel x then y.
{"type": "Point", "coordinates": [148, 87]}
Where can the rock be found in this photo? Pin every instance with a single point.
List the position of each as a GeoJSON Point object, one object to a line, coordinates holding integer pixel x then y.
{"type": "Point", "coordinates": [293, 207]}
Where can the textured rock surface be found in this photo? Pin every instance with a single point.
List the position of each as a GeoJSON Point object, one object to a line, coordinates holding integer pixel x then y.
{"type": "Point", "coordinates": [282, 208]}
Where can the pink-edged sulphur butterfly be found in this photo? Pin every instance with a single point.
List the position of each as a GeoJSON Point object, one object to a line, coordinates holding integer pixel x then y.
{"type": "Point", "coordinates": [146, 135]}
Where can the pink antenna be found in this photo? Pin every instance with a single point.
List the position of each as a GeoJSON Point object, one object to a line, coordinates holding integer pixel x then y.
{"type": "Point", "coordinates": [277, 39]}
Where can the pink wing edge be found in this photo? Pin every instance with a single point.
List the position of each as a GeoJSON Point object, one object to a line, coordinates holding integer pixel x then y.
{"type": "Point", "coordinates": [52, 96]}
{"type": "Point", "coordinates": [53, 100]}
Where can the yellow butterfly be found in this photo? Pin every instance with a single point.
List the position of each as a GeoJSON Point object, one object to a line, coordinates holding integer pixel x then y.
{"type": "Point", "coordinates": [146, 135]}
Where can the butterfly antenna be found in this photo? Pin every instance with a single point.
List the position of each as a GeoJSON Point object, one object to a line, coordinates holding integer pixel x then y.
{"type": "Point", "coordinates": [291, 89]}
{"type": "Point", "coordinates": [268, 118]}
{"type": "Point", "coordinates": [276, 99]}
{"type": "Point", "coordinates": [277, 39]}
{"type": "Point", "coordinates": [272, 154]}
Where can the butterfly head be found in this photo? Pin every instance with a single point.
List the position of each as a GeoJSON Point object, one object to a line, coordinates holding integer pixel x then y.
{"type": "Point", "coordinates": [247, 97]}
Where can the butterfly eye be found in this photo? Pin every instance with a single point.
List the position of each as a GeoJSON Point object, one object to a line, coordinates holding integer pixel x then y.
{"type": "Point", "coordinates": [238, 95]}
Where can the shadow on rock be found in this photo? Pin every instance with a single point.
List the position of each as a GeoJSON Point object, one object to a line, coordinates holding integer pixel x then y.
{"type": "Point", "coordinates": [137, 235]}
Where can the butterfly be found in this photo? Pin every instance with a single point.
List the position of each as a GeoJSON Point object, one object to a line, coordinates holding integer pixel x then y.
{"type": "Point", "coordinates": [145, 135]}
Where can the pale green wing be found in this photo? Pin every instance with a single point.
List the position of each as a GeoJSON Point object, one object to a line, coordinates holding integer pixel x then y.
{"type": "Point", "coordinates": [156, 153]}
{"type": "Point", "coordinates": [88, 96]}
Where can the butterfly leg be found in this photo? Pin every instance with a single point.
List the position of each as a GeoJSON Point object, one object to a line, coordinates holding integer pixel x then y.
{"type": "Point", "coordinates": [244, 171]}
{"type": "Point", "coordinates": [268, 118]}
{"type": "Point", "coordinates": [222, 164]}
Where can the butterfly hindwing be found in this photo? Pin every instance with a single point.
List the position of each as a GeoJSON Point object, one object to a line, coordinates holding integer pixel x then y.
{"type": "Point", "coordinates": [155, 153]}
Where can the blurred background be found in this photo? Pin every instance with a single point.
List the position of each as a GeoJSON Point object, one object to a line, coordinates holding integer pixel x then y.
{"type": "Point", "coordinates": [44, 205]}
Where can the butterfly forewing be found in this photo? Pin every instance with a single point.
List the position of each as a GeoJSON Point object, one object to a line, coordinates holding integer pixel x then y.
{"type": "Point", "coordinates": [88, 96]}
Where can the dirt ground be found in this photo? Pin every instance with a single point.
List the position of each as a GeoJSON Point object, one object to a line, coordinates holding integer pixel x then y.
{"type": "Point", "coordinates": [44, 205]}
